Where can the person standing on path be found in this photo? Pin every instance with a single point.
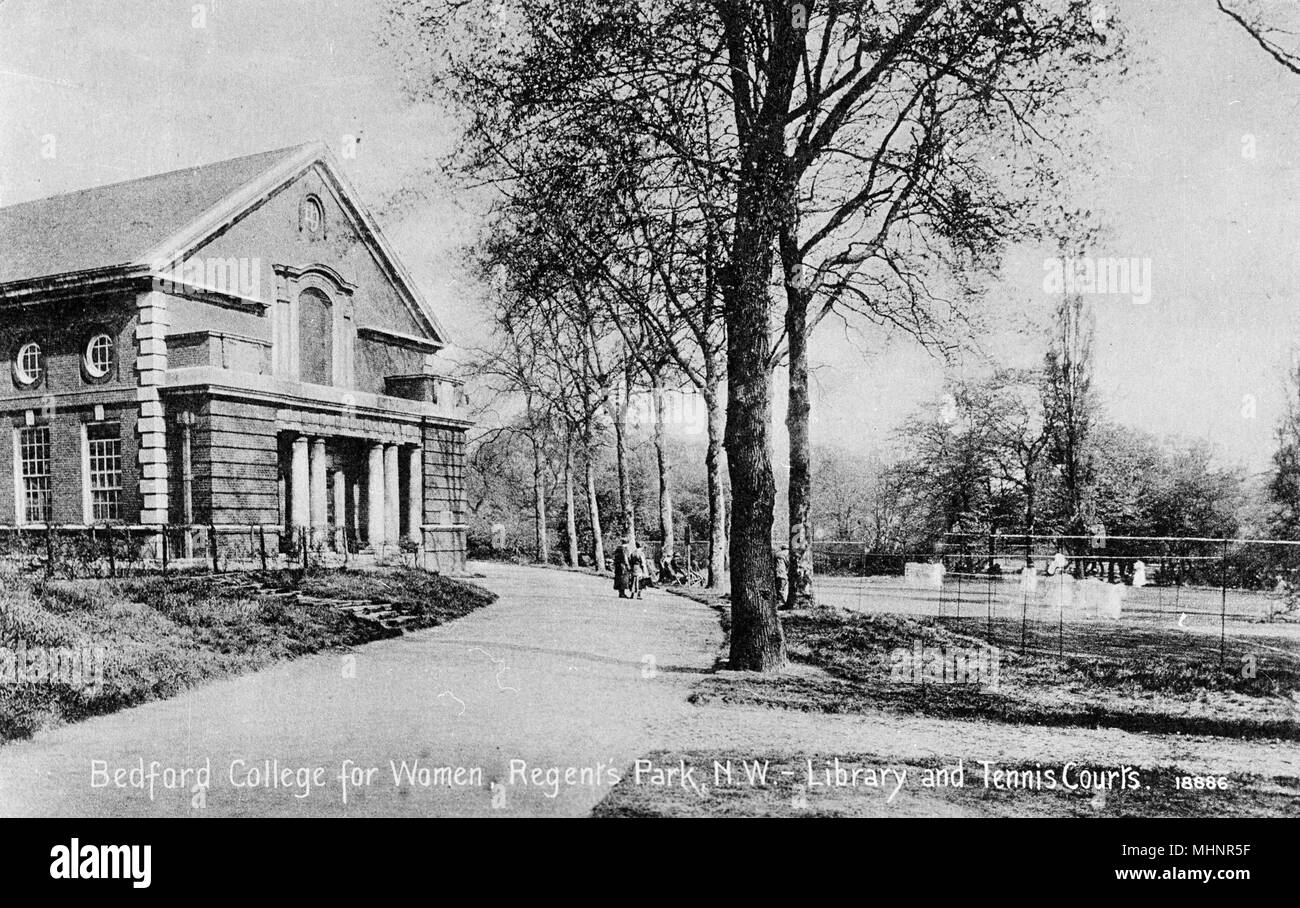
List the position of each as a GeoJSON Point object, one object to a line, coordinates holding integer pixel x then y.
{"type": "Point", "coordinates": [781, 570]}
{"type": "Point", "coordinates": [622, 567]}
{"type": "Point", "coordinates": [637, 564]}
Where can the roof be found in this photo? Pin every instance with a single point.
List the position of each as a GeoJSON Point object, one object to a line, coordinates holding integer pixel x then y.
{"type": "Point", "coordinates": [116, 224]}
{"type": "Point", "coordinates": [140, 226]}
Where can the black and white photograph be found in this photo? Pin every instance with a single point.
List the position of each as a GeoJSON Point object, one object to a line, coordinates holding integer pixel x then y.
{"type": "Point", "coordinates": [861, 409]}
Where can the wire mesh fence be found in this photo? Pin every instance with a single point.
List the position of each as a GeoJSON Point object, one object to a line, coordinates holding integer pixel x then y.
{"type": "Point", "coordinates": [78, 551]}
{"type": "Point", "coordinates": [1080, 595]}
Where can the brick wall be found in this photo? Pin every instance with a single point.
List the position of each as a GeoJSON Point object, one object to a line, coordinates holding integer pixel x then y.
{"type": "Point", "coordinates": [234, 458]}
{"type": "Point", "coordinates": [444, 474]}
{"type": "Point", "coordinates": [66, 460]}
{"type": "Point", "coordinates": [66, 395]}
{"type": "Point", "coordinates": [444, 490]}
{"type": "Point", "coordinates": [62, 330]}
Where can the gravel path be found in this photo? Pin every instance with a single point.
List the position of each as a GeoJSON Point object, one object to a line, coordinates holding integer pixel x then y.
{"type": "Point", "coordinates": [559, 674]}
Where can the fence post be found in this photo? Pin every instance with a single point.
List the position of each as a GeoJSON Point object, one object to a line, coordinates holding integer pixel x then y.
{"type": "Point", "coordinates": [112, 556]}
{"type": "Point", "coordinates": [988, 591]}
{"type": "Point", "coordinates": [1024, 615]}
{"type": "Point", "coordinates": [164, 548]}
{"type": "Point", "coordinates": [1060, 629]}
{"type": "Point", "coordinates": [212, 544]}
{"type": "Point", "coordinates": [943, 580]}
{"type": "Point", "coordinates": [261, 541]}
{"type": "Point", "coordinates": [1223, 600]}
{"type": "Point", "coordinates": [49, 550]}
{"type": "Point", "coordinates": [304, 549]}
{"type": "Point", "coordinates": [919, 669]}
{"type": "Point", "coordinates": [960, 565]}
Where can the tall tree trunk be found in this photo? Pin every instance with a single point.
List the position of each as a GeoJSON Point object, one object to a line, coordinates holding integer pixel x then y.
{"type": "Point", "coordinates": [627, 511]}
{"type": "Point", "coordinates": [570, 515]}
{"type": "Point", "coordinates": [717, 501]}
{"type": "Point", "coordinates": [665, 471]}
{"type": "Point", "coordinates": [726, 532]}
{"type": "Point", "coordinates": [800, 591]}
{"type": "Point", "coordinates": [593, 510]}
{"type": "Point", "coordinates": [539, 508]}
{"type": "Point", "coordinates": [757, 641]}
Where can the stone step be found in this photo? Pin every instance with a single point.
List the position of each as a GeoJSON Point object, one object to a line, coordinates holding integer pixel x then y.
{"type": "Point", "coordinates": [377, 611]}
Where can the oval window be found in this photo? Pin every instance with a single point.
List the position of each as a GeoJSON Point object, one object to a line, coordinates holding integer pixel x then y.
{"type": "Point", "coordinates": [99, 355]}
{"type": "Point", "coordinates": [313, 215]}
{"type": "Point", "coordinates": [29, 364]}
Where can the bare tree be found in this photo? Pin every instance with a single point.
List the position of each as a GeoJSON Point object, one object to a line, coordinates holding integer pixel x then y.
{"type": "Point", "coordinates": [554, 352]}
{"type": "Point", "coordinates": [1271, 32]}
{"type": "Point", "coordinates": [898, 197]}
{"type": "Point", "coordinates": [659, 404]}
{"type": "Point", "coordinates": [748, 70]}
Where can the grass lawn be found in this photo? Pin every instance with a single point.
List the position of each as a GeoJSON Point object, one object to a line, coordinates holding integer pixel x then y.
{"type": "Point", "coordinates": [1142, 680]}
{"type": "Point", "coordinates": [1137, 678]}
{"type": "Point", "coordinates": [153, 638]}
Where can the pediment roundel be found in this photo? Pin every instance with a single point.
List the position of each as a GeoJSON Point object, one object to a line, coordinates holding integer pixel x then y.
{"type": "Point", "coordinates": [311, 216]}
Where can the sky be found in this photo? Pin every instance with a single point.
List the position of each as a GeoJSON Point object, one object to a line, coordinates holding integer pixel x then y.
{"type": "Point", "coordinates": [1196, 151]}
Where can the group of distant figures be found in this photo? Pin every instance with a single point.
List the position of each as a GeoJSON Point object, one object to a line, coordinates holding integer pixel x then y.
{"type": "Point", "coordinates": [1060, 563]}
{"type": "Point", "coordinates": [632, 570]}
{"type": "Point", "coordinates": [632, 573]}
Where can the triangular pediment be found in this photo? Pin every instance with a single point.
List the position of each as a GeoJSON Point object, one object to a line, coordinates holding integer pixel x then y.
{"type": "Point", "coordinates": [315, 163]}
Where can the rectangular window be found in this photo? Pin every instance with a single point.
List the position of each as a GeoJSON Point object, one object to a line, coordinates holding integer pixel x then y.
{"type": "Point", "coordinates": [34, 459]}
{"type": "Point", "coordinates": [104, 455]}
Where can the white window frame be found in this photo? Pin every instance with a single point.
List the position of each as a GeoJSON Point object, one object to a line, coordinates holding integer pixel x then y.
{"type": "Point", "coordinates": [88, 474]}
{"type": "Point", "coordinates": [89, 355]}
{"type": "Point", "coordinates": [24, 377]}
{"type": "Point", "coordinates": [20, 479]}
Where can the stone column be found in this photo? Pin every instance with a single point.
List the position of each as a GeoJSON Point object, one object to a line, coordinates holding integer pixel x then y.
{"type": "Point", "coordinates": [319, 503]}
{"type": "Point", "coordinates": [375, 497]}
{"type": "Point", "coordinates": [186, 422]}
{"type": "Point", "coordinates": [415, 493]}
{"type": "Point", "coordinates": [356, 507]}
{"type": "Point", "coordinates": [340, 510]}
{"type": "Point", "coordinates": [392, 496]}
{"type": "Point", "coordinates": [299, 493]}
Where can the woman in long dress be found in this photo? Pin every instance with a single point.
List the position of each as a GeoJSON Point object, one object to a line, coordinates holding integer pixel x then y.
{"type": "Point", "coordinates": [638, 570]}
{"type": "Point", "coordinates": [621, 569]}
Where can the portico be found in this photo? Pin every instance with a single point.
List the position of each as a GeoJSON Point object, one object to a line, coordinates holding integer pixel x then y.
{"type": "Point", "coordinates": [363, 493]}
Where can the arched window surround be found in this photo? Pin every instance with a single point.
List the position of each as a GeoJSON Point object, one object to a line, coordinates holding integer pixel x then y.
{"type": "Point", "coordinates": [286, 346]}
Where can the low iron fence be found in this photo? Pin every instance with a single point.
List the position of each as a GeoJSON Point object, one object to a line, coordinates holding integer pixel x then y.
{"type": "Point", "coordinates": [75, 551]}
